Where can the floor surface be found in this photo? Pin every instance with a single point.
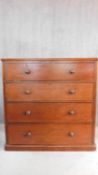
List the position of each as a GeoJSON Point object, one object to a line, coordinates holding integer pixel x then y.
{"type": "Point", "coordinates": [47, 163]}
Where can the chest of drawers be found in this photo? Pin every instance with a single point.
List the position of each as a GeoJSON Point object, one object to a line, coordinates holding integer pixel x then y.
{"type": "Point", "coordinates": [50, 104]}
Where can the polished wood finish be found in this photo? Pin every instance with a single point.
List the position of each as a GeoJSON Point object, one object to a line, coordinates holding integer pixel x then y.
{"type": "Point", "coordinates": [49, 112]}
{"type": "Point", "coordinates": [50, 134]}
{"type": "Point", "coordinates": [50, 71]}
{"type": "Point", "coordinates": [13, 60]}
{"type": "Point", "coordinates": [49, 91]}
{"type": "Point", "coordinates": [50, 147]}
{"type": "Point", "coordinates": [50, 104]}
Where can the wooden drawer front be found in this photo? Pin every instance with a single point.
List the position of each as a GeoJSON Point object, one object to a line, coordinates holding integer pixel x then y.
{"type": "Point", "coordinates": [49, 91]}
{"type": "Point", "coordinates": [50, 134]}
{"type": "Point", "coordinates": [50, 71]}
{"type": "Point", "coordinates": [49, 112]}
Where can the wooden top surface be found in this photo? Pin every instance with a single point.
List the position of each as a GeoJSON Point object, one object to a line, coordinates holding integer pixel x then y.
{"type": "Point", "coordinates": [49, 59]}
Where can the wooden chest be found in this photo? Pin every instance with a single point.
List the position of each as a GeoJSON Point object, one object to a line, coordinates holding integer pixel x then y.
{"type": "Point", "coordinates": [50, 103]}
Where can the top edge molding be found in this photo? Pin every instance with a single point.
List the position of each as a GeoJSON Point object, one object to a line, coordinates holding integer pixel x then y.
{"type": "Point", "coordinates": [49, 59]}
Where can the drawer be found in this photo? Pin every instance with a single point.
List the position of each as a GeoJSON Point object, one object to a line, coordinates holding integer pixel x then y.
{"type": "Point", "coordinates": [50, 71]}
{"type": "Point", "coordinates": [50, 134]}
{"type": "Point", "coordinates": [47, 91]}
{"type": "Point", "coordinates": [49, 112]}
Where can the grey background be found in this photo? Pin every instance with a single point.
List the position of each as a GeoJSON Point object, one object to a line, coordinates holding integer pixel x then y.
{"type": "Point", "coordinates": [47, 28]}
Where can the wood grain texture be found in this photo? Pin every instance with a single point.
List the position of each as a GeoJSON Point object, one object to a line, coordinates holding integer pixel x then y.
{"type": "Point", "coordinates": [50, 71]}
{"type": "Point", "coordinates": [49, 91]}
{"type": "Point", "coordinates": [49, 112]}
{"type": "Point", "coordinates": [50, 105]}
{"type": "Point", "coordinates": [50, 134]}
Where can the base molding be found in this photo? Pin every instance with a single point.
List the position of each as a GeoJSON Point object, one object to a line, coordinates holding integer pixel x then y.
{"type": "Point", "coordinates": [50, 147]}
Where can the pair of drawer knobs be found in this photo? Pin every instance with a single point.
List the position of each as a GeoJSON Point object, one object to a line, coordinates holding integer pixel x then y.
{"type": "Point", "coordinates": [29, 134]}
{"type": "Point", "coordinates": [29, 71]}
{"type": "Point", "coordinates": [72, 112]}
{"type": "Point", "coordinates": [71, 91]}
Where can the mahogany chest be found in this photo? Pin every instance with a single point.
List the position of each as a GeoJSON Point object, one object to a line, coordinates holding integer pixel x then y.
{"type": "Point", "coordinates": [50, 104]}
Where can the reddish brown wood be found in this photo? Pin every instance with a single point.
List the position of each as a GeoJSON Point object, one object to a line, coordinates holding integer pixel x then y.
{"type": "Point", "coordinates": [77, 147]}
{"type": "Point", "coordinates": [49, 91]}
{"type": "Point", "coordinates": [50, 104]}
{"type": "Point", "coordinates": [50, 134]}
{"type": "Point", "coordinates": [50, 71]}
{"type": "Point", "coordinates": [49, 59]}
{"type": "Point", "coordinates": [49, 112]}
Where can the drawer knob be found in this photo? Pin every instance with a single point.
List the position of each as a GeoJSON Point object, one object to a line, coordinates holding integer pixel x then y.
{"type": "Point", "coordinates": [28, 134]}
{"type": "Point", "coordinates": [27, 92]}
{"type": "Point", "coordinates": [72, 112]}
{"type": "Point", "coordinates": [71, 91]}
{"type": "Point", "coordinates": [71, 71]}
{"type": "Point", "coordinates": [27, 71]}
{"type": "Point", "coordinates": [28, 112]}
{"type": "Point", "coordinates": [71, 134]}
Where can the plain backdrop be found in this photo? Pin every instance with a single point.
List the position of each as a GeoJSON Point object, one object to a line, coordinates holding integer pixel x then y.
{"type": "Point", "coordinates": [47, 28]}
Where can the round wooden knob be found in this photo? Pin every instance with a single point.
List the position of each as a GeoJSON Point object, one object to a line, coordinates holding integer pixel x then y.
{"type": "Point", "coordinates": [28, 112]}
{"type": "Point", "coordinates": [71, 71]}
{"type": "Point", "coordinates": [71, 134]}
{"type": "Point", "coordinates": [72, 112]}
{"type": "Point", "coordinates": [28, 134]}
{"type": "Point", "coordinates": [27, 71]}
{"type": "Point", "coordinates": [27, 92]}
{"type": "Point", "coordinates": [71, 91]}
